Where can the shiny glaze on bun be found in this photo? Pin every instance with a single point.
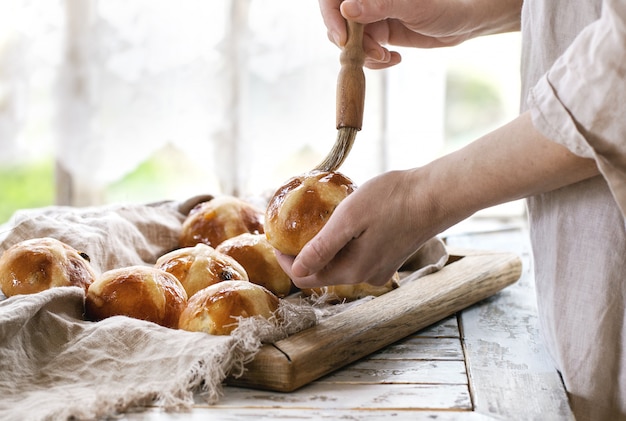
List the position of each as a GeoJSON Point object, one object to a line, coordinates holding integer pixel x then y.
{"type": "Point", "coordinates": [301, 207]}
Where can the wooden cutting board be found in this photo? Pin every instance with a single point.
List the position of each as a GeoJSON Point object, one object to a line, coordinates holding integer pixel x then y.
{"type": "Point", "coordinates": [468, 277]}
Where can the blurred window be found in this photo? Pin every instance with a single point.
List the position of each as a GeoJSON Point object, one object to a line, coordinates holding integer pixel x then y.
{"type": "Point", "coordinates": [118, 101]}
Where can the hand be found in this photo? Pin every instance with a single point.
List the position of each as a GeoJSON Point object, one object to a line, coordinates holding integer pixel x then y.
{"type": "Point", "coordinates": [416, 23]}
{"type": "Point", "coordinates": [369, 235]}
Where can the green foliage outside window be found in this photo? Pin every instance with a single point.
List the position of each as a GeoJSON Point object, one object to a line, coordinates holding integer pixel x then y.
{"type": "Point", "coordinates": [25, 186]}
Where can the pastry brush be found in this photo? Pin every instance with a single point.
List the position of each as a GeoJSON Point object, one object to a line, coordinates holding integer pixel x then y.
{"type": "Point", "coordinates": [350, 98]}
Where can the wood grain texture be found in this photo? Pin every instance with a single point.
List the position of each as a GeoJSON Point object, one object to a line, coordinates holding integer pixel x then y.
{"type": "Point", "coordinates": [351, 79]}
{"type": "Point", "coordinates": [264, 414]}
{"type": "Point", "coordinates": [361, 330]}
{"type": "Point", "coordinates": [348, 396]}
{"type": "Point", "coordinates": [423, 348]}
{"type": "Point", "coordinates": [448, 327]}
{"type": "Point", "coordinates": [511, 374]}
{"type": "Point", "coordinates": [400, 371]}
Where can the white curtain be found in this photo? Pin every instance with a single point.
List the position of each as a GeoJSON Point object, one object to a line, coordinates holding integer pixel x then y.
{"type": "Point", "coordinates": [242, 88]}
{"type": "Point", "coordinates": [30, 42]}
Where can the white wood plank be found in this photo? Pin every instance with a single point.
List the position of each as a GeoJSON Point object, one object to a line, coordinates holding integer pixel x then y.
{"type": "Point", "coordinates": [263, 414]}
{"type": "Point", "coordinates": [510, 373]}
{"type": "Point", "coordinates": [447, 327]}
{"type": "Point", "coordinates": [400, 371]}
{"type": "Point", "coordinates": [423, 348]}
{"type": "Point", "coordinates": [334, 396]}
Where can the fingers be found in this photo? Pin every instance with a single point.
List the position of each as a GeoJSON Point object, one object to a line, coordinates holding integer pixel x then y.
{"type": "Point", "coordinates": [373, 49]}
{"type": "Point", "coordinates": [335, 13]}
{"type": "Point", "coordinates": [315, 256]}
{"type": "Point", "coordinates": [323, 260]}
{"type": "Point", "coordinates": [285, 261]}
{"type": "Point", "coordinates": [310, 281]}
{"type": "Point", "coordinates": [351, 265]}
{"type": "Point", "coordinates": [377, 56]}
{"type": "Point", "coordinates": [318, 252]}
{"type": "Point", "coordinates": [368, 11]}
{"type": "Point", "coordinates": [334, 21]}
{"type": "Point", "coordinates": [394, 58]}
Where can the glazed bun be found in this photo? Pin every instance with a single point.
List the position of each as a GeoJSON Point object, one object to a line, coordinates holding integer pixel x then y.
{"type": "Point", "coordinates": [216, 309]}
{"type": "Point", "coordinates": [141, 292]}
{"type": "Point", "coordinates": [301, 207]}
{"type": "Point", "coordinates": [258, 258]}
{"type": "Point", "coordinates": [200, 266]}
{"type": "Point", "coordinates": [218, 219]}
{"type": "Point", "coordinates": [340, 293]}
{"type": "Point", "coordinates": [38, 264]}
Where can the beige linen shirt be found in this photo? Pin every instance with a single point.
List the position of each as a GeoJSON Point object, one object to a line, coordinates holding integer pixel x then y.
{"type": "Point", "coordinates": [574, 84]}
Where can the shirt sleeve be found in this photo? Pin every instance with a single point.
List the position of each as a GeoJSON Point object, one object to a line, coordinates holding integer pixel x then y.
{"type": "Point", "coordinates": [581, 101]}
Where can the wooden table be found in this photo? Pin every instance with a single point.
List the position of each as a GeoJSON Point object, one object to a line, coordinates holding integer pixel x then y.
{"type": "Point", "coordinates": [485, 362]}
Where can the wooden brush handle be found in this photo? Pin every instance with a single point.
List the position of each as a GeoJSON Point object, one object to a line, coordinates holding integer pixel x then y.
{"type": "Point", "coordinates": [351, 80]}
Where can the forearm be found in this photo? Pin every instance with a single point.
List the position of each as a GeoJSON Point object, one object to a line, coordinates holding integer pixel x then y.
{"type": "Point", "coordinates": [513, 162]}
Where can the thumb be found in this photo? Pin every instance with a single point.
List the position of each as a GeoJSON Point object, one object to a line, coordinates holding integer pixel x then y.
{"type": "Point", "coordinates": [369, 11]}
{"type": "Point", "coordinates": [321, 249]}
{"type": "Point", "coordinates": [315, 255]}
{"type": "Point", "coordinates": [365, 11]}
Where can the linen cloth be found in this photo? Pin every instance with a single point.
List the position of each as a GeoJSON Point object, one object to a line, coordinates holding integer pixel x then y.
{"type": "Point", "coordinates": [574, 72]}
{"type": "Point", "coordinates": [55, 365]}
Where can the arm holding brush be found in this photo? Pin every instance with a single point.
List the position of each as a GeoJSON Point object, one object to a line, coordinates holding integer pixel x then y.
{"type": "Point", "coordinates": [376, 228]}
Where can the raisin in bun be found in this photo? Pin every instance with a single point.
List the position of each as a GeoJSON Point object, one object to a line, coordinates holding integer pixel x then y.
{"type": "Point", "coordinates": [301, 207]}
{"type": "Point", "coordinates": [258, 258]}
{"type": "Point", "coordinates": [218, 219]}
{"type": "Point", "coordinates": [141, 292]}
{"type": "Point", "coordinates": [340, 293]}
{"type": "Point", "coordinates": [200, 266]}
{"type": "Point", "coordinates": [38, 264]}
{"type": "Point", "coordinates": [216, 309]}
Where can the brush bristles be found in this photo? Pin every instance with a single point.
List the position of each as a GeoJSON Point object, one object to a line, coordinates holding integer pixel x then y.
{"type": "Point", "coordinates": [340, 151]}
